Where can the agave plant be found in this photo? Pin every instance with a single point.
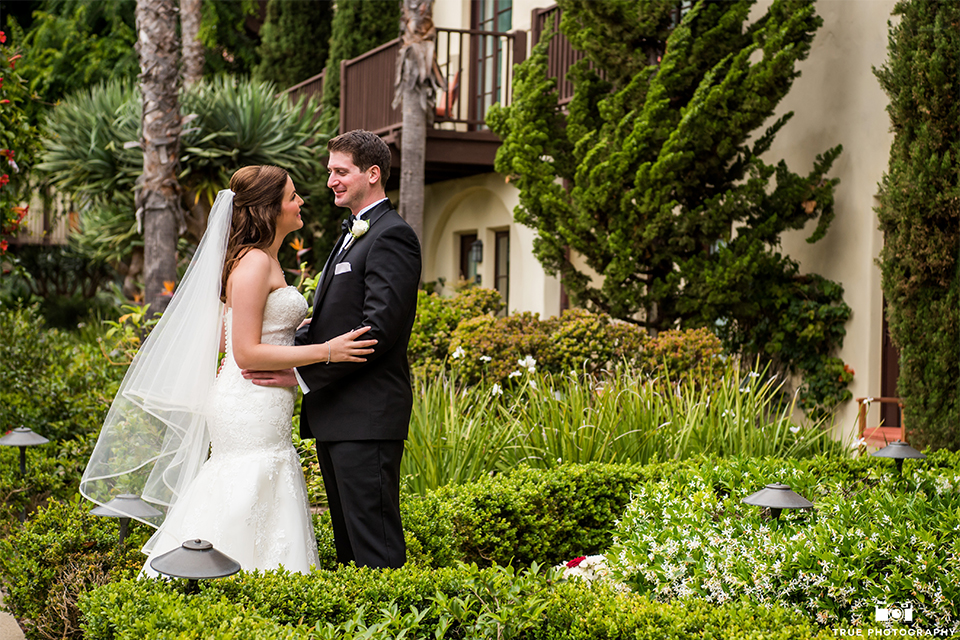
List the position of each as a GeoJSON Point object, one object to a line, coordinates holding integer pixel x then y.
{"type": "Point", "coordinates": [92, 152]}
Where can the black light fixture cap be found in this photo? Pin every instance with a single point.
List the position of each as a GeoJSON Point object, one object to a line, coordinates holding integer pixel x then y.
{"type": "Point", "coordinates": [195, 560]}
{"type": "Point", "coordinates": [126, 505]}
{"type": "Point", "coordinates": [777, 496]}
{"type": "Point", "coordinates": [898, 450]}
{"type": "Point", "coordinates": [22, 437]}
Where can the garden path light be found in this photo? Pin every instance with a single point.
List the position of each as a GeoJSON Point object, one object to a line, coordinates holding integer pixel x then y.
{"type": "Point", "coordinates": [22, 437]}
{"type": "Point", "coordinates": [126, 506]}
{"type": "Point", "coordinates": [195, 560]}
{"type": "Point", "coordinates": [777, 497]}
{"type": "Point", "coordinates": [899, 451]}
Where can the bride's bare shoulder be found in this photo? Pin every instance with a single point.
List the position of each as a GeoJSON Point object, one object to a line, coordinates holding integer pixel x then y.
{"type": "Point", "coordinates": [254, 261]}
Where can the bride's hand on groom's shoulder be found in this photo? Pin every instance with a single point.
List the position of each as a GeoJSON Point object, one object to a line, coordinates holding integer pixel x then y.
{"type": "Point", "coordinates": [305, 323]}
{"type": "Point", "coordinates": [282, 378]}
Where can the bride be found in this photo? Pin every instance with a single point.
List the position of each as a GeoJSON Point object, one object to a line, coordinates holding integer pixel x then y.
{"type": "Point", "coordinates": [248, 498]}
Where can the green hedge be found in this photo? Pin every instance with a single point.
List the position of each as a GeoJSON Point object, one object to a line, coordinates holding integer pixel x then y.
{"type": "Point", "coordinates": [61, 387]}
{"type": "Point", "coordinates": [58, 554]}
{"type": "Point", "coordinates": [455, 602]}
{"type": "Point", "coordinates": [519, 517]}
{"type": "Point", "coordinates": [461, 540]}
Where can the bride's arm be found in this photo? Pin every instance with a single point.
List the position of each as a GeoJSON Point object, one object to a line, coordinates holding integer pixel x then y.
{"type": "Point", "coordinates": [247, 290]}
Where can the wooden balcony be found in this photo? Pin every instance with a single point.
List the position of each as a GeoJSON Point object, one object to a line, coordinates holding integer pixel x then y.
{"type": "Point", "coordinates": [477, 67]}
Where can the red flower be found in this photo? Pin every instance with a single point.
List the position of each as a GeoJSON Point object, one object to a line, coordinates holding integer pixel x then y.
{"type": "Point", "coordinates": [3, 37]}
{"type": "Point", "coordinates": [4, 179]}
{"type": "Point", "coordinates": [3, 246]}
{"type": "Point", "coordinates": [8, 153]}
{"type": "Point", "coordinates": [576, 562]}
{"type": "Point", "coordinates": [4, 102]}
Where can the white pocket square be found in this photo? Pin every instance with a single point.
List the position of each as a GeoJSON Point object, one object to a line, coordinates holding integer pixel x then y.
{"type": "Point", "coordinates": [342, 267]}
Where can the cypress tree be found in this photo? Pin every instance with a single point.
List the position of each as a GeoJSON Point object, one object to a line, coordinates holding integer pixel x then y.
{"type": "Point", "coordinates": [358, 26]}
{"type": "Point", "coordinates": [294, 40]}
{"type": "Point", "coordinates": [653, 180]}
{"type": "Point", "coordinates": [919, 215]}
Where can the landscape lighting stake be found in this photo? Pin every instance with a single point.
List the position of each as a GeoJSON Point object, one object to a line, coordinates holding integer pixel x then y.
{"type": "Point", "coordinates": [195, 560]}
{"type": "Point", "coordinates": [22, 437]}
{"type": "Point", "coordinates": [899, 451]}
{"type": "Point", "coordinates": [777, 497]}
{"type": "Point", "coordinates": [125, 507]}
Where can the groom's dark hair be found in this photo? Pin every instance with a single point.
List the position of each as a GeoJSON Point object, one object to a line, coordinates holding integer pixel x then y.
{"type": "Point", "coordinates": [366, 149]}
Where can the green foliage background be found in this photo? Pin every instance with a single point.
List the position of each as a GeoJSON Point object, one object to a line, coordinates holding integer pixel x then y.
{"type": "Point", "coordinates": [294, 41]}
{"type": "Point", "coordinates": [654, 176]}
{"type": "Point", "coordinates": [919, 215]}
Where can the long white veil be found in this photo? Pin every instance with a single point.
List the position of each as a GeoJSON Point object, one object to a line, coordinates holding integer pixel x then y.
{"type": "Point", "coordinates": [155, 437]}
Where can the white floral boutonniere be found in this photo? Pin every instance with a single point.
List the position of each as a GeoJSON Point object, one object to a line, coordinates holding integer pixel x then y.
{"type": "Point", "coordinates": [359, 227]}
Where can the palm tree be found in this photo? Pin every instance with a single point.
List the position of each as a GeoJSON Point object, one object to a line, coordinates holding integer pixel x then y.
{"type": "Point", "coordinates": [158, 192]}
{"type": "Point", "coordinates": [192, 48]}
{"type": "Point", "coordinates": [416, 87]}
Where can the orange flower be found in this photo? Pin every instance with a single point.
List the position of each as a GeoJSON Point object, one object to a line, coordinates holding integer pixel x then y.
{"type": "Point", "coordinates": [297, 245]}
{"type": "Point", "coordinates": [168, 286]}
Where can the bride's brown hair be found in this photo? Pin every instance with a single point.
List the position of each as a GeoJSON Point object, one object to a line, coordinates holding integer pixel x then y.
{"type": "Point", "coordinates": [257, 200]}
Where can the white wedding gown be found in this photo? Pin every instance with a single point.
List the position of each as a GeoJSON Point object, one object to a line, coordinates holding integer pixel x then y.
{"type": "Point", "coordinates": [249, 499]}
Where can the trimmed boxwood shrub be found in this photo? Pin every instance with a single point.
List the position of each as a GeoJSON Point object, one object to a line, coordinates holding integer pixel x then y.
{"type": "Point", "coordinates": [455, 602]}
{"type": "Point", "coordinates": [580, 341]}
{"type": "Point", "coordinates": [60, 553]}
{"type": "Point", "coordinates": [60, 386]}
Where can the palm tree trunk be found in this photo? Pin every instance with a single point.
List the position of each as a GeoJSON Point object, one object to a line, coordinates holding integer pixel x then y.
{"type": "Point", "coordinates": [416, 87]}
{"type": "Point", "coordinates": [192, 49]}
{"type": "Point", "coordinates": [158, 195]}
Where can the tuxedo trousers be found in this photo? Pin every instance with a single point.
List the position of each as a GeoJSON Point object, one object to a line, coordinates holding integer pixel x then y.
{"type": "Point", "coordinates": [362, 479]}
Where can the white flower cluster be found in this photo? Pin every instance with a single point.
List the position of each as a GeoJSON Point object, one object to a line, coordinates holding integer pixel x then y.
{"type": "Point", "coordinates": [674, 544]}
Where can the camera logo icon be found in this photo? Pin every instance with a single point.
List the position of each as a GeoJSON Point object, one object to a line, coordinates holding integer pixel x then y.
{"type": "Point", "coordinates": [896, 612]}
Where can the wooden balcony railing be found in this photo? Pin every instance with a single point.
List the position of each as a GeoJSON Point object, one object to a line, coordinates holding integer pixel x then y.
{"type": "Point", "coordinates": [476, 66]}
{"type": "Point", "coordinates": [560, 54]}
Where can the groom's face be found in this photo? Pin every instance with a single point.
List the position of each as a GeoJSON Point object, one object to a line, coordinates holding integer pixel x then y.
{"type": "Point", "coordinates": [352, 188]}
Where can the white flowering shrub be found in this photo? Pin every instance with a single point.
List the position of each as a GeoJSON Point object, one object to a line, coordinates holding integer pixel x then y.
{"type": "Point", "coordinates": [870, 539]}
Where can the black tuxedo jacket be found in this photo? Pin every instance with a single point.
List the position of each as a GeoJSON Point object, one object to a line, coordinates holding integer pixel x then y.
{"type": "Point", "coordinates": [372, 283]}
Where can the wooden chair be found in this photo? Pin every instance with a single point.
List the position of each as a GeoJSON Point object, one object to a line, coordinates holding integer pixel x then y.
{"type": "Point", "coordinates": [446, 100]}
{"type": "Point", "coordinates": [863, 405]}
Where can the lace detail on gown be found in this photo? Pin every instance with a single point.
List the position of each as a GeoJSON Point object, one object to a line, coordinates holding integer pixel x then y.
{"type": "Point", "coordinates": [250, 499]}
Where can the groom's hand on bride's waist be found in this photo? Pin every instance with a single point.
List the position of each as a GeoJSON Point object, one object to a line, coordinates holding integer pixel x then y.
{"type": "Point", "coordinates": [282, 378]}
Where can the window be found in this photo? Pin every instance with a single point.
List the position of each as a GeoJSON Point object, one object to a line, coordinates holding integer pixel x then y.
{"type": "Point", "coordinates": [490, 15]}
{"type": "Point", "coordinates": [501, 268]}
{"type": "Point", "coordinates": [468, 266]}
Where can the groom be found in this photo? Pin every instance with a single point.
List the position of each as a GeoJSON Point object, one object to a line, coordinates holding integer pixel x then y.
{"type": "Point", "coordinates": [359, 412]}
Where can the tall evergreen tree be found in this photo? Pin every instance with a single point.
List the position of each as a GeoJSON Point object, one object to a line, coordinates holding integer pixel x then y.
{"type": "Point", "coordinates": [294, 40]}
{"type": "Point", "coordinates": [653, 178]}
{"type": "Point", "coordinates": [919, 215]}
{"type": "Point", "coordinates": [358, 26]}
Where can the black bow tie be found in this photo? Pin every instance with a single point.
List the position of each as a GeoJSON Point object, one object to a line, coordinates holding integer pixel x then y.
{"type": "Point", "coordinates": [347, 224]}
